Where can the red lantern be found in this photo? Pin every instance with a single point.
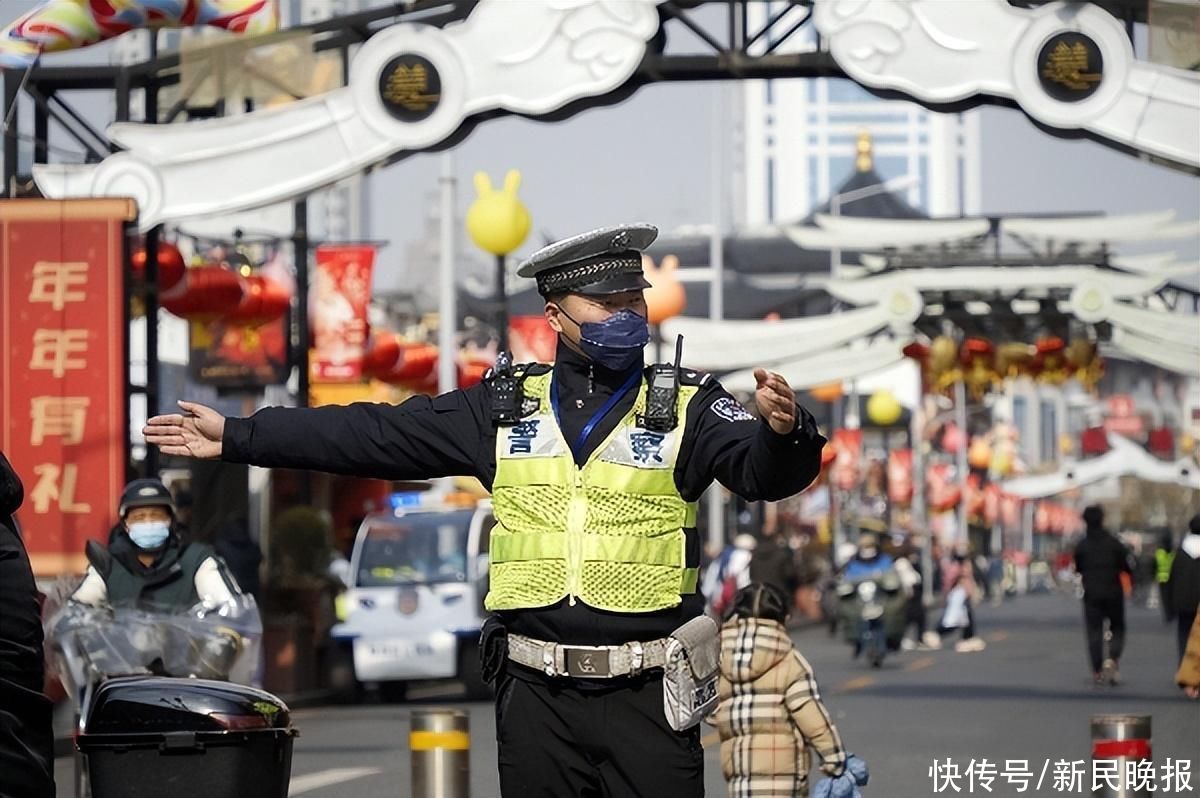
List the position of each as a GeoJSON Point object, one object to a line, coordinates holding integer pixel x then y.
{"type": "Point", "coordinates": [170, 264]}
{"type": "Point", "coordinates": [1094, 440]}
{"type": "Point", "coordinates": [414, 366]}
{"type": "Point", "coordinates": [1050, 361]}
{"type": "Point", "coordinates": [205, 293]}
{"type": "Point", "coordinates": [263, 300]}
{"type": "Point", "coordinates": [381, 354]}
{"type": "Point", "coordinates": [1161, 442]}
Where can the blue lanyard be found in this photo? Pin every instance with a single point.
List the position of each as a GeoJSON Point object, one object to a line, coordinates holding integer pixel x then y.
{"type": "Point", "coordinates": [633, 380]}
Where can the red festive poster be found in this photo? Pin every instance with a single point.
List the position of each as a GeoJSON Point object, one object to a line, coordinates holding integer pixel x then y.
{"type": "Point", "coordinates": [900, 475]}
{"type": "Point", "coordinates": [340, 291]}
{"type": "Point", "coordinates": [62, 401]}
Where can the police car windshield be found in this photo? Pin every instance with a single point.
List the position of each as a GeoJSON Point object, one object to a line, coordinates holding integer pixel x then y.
{"type": "Point", "coordinates": [419, 548]}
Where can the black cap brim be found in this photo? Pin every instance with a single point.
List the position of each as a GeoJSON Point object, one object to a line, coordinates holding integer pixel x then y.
{"type": "Point", "coordinates": [617, 284]}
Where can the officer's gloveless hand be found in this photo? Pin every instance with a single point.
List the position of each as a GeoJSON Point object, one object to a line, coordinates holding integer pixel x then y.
{"type": "Point", "coordinates": [196, 432]}
{"type": "Point", "coordinates": [776, 402]}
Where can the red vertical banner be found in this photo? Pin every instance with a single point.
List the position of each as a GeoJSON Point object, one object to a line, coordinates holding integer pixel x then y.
{"type": "Point", "coordinates": [62, 398]}
{"type": "Point", "coordinates": [338, 297]}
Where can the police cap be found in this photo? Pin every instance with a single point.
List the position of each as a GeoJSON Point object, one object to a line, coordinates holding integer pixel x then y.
{"type": "Point", "coordinates": [597, 263]}
{"type": "Point", "coordinates": [145, 493]}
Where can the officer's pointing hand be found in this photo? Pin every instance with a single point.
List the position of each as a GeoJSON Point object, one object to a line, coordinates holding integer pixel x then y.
{"type": "Point", "coordinates": [197, 432]}
{"type": "Point", "coordinates": [775, 400]}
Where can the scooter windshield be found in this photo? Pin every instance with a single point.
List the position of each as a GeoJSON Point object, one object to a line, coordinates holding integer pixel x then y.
{"type": "Point", "coordinates": [90, 644]}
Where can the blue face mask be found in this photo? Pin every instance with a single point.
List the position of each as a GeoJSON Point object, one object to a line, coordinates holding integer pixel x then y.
{"type": "Point", "coordinates": [615, 343]}
{"type": "Point", "coordinates": [149, 535]}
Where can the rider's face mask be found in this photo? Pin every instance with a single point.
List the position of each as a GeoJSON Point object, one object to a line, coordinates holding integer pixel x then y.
{"type": "Point", "coordinates": [149, 535]}
{"type": "Point", "coordinates": [615, 343]}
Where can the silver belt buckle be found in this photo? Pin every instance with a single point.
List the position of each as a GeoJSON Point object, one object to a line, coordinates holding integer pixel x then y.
{"type": "Point", "coordinates": [586, 662]}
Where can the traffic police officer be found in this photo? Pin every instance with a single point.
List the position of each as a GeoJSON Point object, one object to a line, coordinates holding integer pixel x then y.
{"type": "Point", "coordinates": [146, 565]}
{"type": "Point", "coordinates": [595, 467]}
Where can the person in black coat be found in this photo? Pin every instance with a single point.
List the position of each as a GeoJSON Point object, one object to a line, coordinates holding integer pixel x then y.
{"type": "Point", "coordinates": [241, 554]}
{"type": "Point", "coordinates": [26, 733]}
{"type": "Point", "coordinates": [1100, 560]}
{"type": "Point", "coordinates": [1181, 593]}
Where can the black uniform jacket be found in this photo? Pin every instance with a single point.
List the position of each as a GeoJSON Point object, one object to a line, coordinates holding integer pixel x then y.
{"type": "Point", "coordinates": [453, 435]}
{"type": "Point", "coordinates": [26, 736]}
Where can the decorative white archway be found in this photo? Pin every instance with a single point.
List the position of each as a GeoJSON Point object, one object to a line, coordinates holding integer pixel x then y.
{"type": "Point", "coordinates": [536, 58]}
{"type": "Point", "coordinates": [815, 350]}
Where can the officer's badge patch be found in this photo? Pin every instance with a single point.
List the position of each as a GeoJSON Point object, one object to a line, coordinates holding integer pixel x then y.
{"type": "Point", "coordinates": [730, 410]}
{"type": "Point", "coordinates": [530, 405]}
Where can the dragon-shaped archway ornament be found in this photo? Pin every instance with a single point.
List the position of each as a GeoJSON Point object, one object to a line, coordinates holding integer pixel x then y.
{"type": "Point", "coordinates": [1069, 65]}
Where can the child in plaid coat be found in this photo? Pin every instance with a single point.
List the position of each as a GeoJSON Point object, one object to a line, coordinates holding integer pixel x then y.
{"type": "Point", "coordinates": [770, 711]}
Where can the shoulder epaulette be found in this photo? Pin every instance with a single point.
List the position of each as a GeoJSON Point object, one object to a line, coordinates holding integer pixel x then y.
{"type": "Point", "coordinates": [533, 369]}
{"type": "Point", "coordinates": [694, 377]}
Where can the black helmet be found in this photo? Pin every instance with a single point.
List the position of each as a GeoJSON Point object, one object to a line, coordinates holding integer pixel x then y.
{"type": "Point", "coordinates": [145, 493]}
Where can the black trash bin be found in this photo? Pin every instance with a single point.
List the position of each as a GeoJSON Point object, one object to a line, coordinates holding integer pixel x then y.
{"type": "Point", "coordinates": [150, 737]}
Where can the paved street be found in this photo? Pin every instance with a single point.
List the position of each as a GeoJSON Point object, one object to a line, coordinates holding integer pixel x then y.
{"type": "Point", "coordinates": [1028, 696]}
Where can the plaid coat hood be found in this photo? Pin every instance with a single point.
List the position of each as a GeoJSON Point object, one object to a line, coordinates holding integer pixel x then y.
{"type": "Point", "coordinates": [769, 712]}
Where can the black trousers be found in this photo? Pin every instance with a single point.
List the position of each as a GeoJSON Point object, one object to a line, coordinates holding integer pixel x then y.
{"type": "Point", "coordinates": [1184, 628]}
{"type": "Point", "coordinates": [26, 737]}
{"type": "Point", "coordinates": [1095, 611]}
{"type": "Point", "coordinates": [557, 740]}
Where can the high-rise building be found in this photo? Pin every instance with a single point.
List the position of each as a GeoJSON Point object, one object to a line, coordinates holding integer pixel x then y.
{"type": "Point", "coordinates": [798, 137]}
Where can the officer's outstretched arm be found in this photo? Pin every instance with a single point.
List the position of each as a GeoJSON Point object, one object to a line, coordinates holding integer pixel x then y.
{"type": "Point", "coordinates": [422, 438]}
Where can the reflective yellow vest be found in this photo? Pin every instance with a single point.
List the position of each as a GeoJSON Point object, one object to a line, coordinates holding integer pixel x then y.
{"type": "Point", "coordinates": [609, 533]}
{"type": "Point", "coordinates": [1162, 562]}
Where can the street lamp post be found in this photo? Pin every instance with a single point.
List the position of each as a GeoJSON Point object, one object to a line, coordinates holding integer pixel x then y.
{"type": "Point", "coordinates": [835, 267]}
{"type": "Point", "coordinates": [498, 222]}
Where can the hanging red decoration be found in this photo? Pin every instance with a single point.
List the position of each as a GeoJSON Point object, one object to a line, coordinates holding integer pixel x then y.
{"type": "Point", "coordinates": [171, 265]}
{"type": "Point", "coordinates": [414, 366]}
{"type": "Point", "coordinates": [1161, 442]}
{"type": "Point", "coordinates": [978, 372]}
{"type": "Point", "coordinates": [381, 354]}
{"type": "Point", "coordinates": [1050, 362]}
{"type": "Point", "coordinates": [899, 476]}
{"type": "Point", "coordinates": [204, 294]}
{"type": "Point", "coordinates": [263, 300]}
{"type": "Point", "coordinates": [944, 492]}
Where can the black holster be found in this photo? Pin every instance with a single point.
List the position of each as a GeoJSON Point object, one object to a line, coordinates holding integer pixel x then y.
{"type": "Point", "coordinates": [493, 649]}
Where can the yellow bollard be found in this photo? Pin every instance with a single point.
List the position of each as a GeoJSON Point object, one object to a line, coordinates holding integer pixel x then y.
{"type": "Point", "coordinates": [440, 742]}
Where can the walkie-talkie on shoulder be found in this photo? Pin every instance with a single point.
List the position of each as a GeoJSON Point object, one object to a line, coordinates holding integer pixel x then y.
{"type": "Point", "coordinates": [505, 387]}
{"type": "Point", "coordinates": [662, 395]}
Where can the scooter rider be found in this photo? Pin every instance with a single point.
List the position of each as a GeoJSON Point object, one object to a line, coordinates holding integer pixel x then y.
{"type": "Point", "coordinates": [868, 561]}
{"type": "Point", "coordinates": [146, 565]}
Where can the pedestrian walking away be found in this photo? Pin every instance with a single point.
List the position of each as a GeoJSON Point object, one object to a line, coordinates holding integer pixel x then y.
{"type": "Point", "coordinates": [1101, 559]}
{"type": "Point", "coordinates": [1181, 594]}
{"type": "Point", "coordinates": [595, 465]}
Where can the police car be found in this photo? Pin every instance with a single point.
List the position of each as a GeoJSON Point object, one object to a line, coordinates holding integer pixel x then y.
{"type": "Point", "coordinates": [414, 605]}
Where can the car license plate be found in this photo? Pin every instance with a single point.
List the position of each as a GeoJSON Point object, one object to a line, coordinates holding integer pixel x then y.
{"type": "Point", "coordinates": [400, 650]}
